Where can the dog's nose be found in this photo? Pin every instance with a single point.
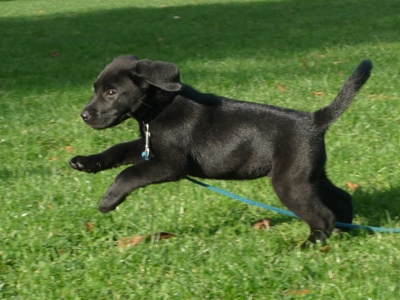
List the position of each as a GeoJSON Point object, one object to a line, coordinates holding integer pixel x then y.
{"type": "Point", "coordinates": [85, 115]}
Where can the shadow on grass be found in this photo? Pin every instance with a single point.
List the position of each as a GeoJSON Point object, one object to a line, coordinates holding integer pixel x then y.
{"type": "Point", "coordinates": [378, 207]}
{"type": "Point", "coordinates": [71, 48]}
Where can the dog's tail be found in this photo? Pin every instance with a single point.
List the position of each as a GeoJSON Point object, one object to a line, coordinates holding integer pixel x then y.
{"type": "Point", "coordinates": [326, 116]}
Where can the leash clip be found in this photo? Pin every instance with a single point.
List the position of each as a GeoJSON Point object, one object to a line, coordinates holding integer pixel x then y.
{"type": "Point", "coordinates": [146, 153]}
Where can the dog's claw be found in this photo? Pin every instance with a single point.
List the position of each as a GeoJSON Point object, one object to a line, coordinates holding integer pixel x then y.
{"type": "Point", "coordinates": [77, 165]}
{"type": "Point", "coordinates": [73, 165]}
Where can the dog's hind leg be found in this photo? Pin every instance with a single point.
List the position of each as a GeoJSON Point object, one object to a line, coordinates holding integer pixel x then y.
{"type": "Point", "coordinates": [304, 199]}
{"type": "Point", "coordinates": [337, 200]}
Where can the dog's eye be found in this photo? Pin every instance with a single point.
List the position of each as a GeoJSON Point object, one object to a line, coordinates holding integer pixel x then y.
{"type": "Point", "coordinates": [111, 92]}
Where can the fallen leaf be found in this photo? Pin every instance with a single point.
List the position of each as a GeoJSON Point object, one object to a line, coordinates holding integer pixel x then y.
{"type": "Point", "coordinates": [54, 158]}
{"type": "Point", "coordinates": [161, 236]}
{"type": "Point", "coordinates": [302, 292]}
{"type": "Point", "coordinates": [125, 243]}
{"type": "Point", "coordinates": [89, 226]}
{"type": "Point", "coordinates": [352, 186]}
{"type": "Point", "coordinates": [303, 62]}
{"type": "Point", "coordinates": [325, 249]}
{"type": "Point", "coordinates": [262, 224]}
{"type": "Point", "coordinates": [55, 53]}
{"type": "Point", "coordinates": [318, 93]}
{"type": "Point", "coordinates": [298, 292]}
{"type": "Point", "coordinates": [41, 11]}
{"type": "Point", "coordinates": [70, 149]}
{"type": "Point", "coordinates": [380, 97]}
{"type": "Point", "coordinates": [281, 87]}
{"type": "Point", "coordinates": [318, 56]}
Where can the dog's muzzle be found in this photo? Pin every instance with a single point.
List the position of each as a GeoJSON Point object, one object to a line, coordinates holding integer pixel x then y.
{"type": "Point", "coordinates": [103, 121]}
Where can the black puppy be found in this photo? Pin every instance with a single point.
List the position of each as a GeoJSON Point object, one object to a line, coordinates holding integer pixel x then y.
{"type": "Point", "coordinates": [185, 132]}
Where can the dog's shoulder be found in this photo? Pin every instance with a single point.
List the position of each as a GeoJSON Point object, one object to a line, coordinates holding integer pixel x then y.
{"type": "Point", "coordinates": [204, 99]}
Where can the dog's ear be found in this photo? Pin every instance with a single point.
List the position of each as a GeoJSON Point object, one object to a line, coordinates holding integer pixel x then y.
{"type": "Point", "coordinates": [161, 74]}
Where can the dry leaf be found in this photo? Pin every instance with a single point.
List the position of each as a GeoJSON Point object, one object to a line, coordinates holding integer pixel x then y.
{"type": "Point", "coordinates": [303, 62]}
{"type": "Point", "coordinates": [161, 236]}
{"type": "Point", "coordinates": [54, 158]}
{"type": "Point", "coordinates": [380, 97]}
{"type": "Point", "coordinates": [325, 249]}
{"type": "Point", "coordinates": [388, 97]}
{"type": "Point", "coordinates": [297, 292]}
{"type": "Point", "coordinates": [318, 56]}
{"type": "Point", "coordinates": [302, 292]}
{"type": "Point", "coordinates": [131, 242]}
{"type": "Point", "coordinates": [69, 149]}
{"type": "Point", "coordinates": [89, 226]}
{"type": "Point", "coordinates": [372, 96]}
{"type": "Point", "coordinates": [352, 186]}
{"type": "Point", "coordinates": [125, 243]}
{"type": "Point", "coordinates": [55, 53]}
{"type": "Point", "coordinates": [262, 224]}
{"type": "Point", "coordinates": [318, 93]}
{"type": "Point", "coordinates": [281, 87]}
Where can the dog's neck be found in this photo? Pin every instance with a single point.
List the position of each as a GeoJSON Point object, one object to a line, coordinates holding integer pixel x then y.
{"type": "Point", "coordinates": [152, 104]}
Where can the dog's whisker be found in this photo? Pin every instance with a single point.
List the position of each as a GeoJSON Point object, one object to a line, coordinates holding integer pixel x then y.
{"type": "Point", "coordinates": [146, 104]}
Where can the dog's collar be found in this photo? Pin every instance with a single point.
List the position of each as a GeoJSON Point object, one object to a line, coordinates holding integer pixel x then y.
{"type": "Point", "coordinates": [146, 153]}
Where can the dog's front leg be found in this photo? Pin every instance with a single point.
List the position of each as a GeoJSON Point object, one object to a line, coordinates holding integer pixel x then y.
{"type": "Point", "coordinates": [139, 175]}
{"type": "Point", "coordinates": [115, 156]}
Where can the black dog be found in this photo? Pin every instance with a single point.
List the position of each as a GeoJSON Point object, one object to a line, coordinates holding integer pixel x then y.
{"type": "Point", "coordinates": [185, 132]}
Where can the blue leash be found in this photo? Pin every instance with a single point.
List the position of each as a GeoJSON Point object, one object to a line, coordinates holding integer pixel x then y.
{"type": "Point", "coordinates": [286, 212]}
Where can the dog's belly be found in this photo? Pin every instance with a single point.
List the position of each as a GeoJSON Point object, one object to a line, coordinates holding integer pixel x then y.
{"type": "Point", "coordinates": [234, 165]}
{"type": "Point", "coordinates": [221, 172]}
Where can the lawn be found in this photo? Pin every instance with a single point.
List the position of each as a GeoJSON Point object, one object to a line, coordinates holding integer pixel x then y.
{"type": "Point", "coordinates": [55, 244]}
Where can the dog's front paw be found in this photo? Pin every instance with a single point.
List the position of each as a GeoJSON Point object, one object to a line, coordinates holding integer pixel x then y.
{"type": "Point", "coordinates": [88, 164]}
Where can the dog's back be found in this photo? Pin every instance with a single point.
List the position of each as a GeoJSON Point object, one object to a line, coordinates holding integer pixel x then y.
{"type": "Point", "coordinates": [233, 139]}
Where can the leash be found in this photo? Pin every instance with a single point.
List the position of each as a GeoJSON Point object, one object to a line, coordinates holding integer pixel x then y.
{"type": "Point", "coordinates": [286, 212]}
{"type": "Point", "coordinates": [146, 153]}
{"type": "Point", "coordinates": [147, 156]}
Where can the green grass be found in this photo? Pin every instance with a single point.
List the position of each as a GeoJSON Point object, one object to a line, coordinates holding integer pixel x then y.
{"type": "Point", "coordinates": [52, 51]}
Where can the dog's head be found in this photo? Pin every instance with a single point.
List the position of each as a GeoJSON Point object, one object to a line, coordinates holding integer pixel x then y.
{"type": "Point", "coordinates": [125, 86]}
